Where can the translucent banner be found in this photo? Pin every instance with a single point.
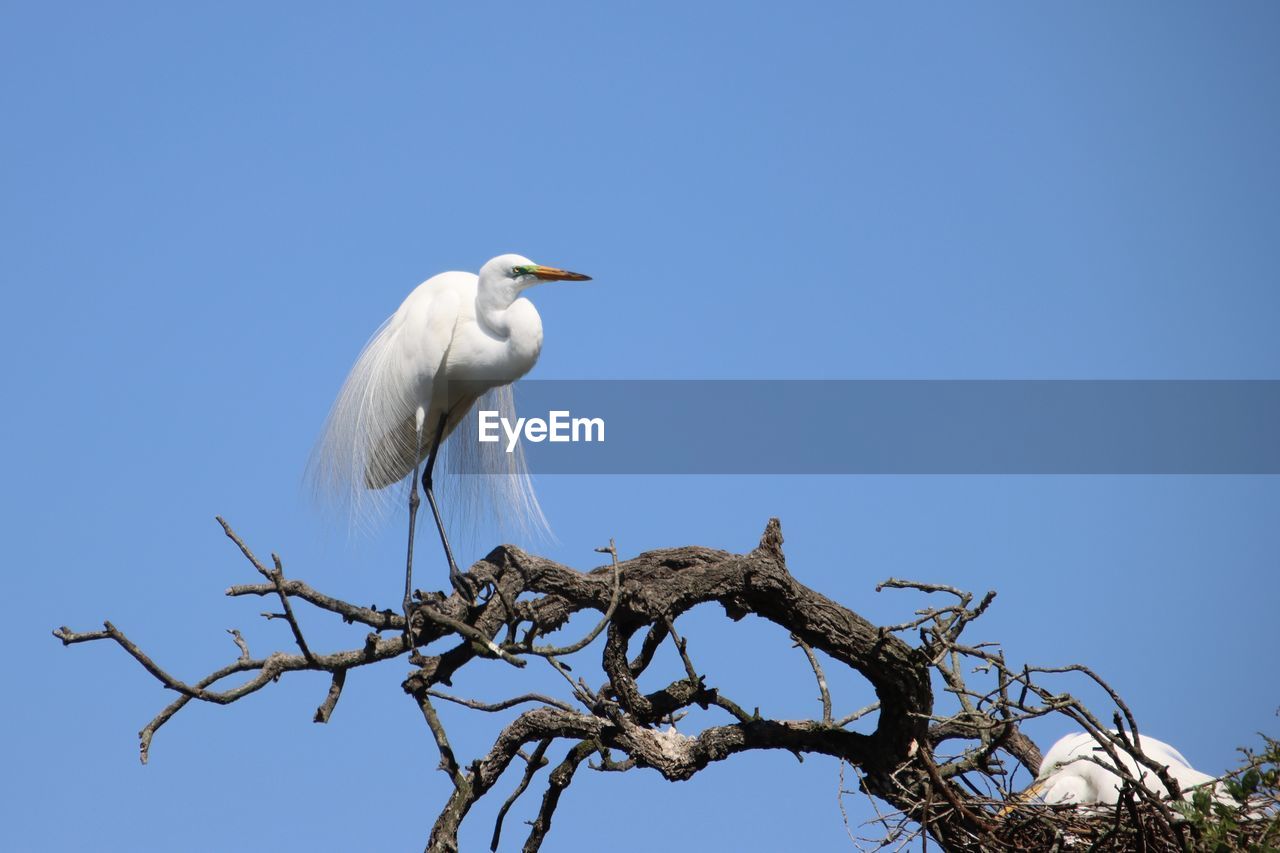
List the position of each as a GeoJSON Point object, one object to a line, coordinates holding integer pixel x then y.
{"type": "Point", "coordinates": [889, 427]}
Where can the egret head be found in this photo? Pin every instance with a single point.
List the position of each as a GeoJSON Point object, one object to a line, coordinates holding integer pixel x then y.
{"type": "Point", "coordinates": [1068, 774]}
{"type": "Point", "coordinates": [1070, 755]}
{"type": "Point", "coordinates": [516, 273]}
{"type": "Point", "coordinates": [1073, 750]}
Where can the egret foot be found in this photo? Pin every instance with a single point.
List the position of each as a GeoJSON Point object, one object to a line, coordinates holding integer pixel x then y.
{"type": "Point", "coordinates": [409, 609]}
{"type": "Point", "coordinates": [463, 585]}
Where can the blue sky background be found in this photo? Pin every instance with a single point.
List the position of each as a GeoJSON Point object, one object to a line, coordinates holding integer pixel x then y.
{"type": "Point", "coordinates": [206, 211]}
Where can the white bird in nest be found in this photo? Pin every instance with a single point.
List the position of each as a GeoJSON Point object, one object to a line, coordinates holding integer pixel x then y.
{"type": "Point", "coordinates": [1071, 775]}
{"type": "Point", "coordinates": [457, 338]}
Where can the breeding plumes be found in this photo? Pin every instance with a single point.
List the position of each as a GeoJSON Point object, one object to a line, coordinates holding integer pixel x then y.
{"type": "Point", "coordinates": [456, 339]}
{"type": "Point", "coordinates": [1070, 772]}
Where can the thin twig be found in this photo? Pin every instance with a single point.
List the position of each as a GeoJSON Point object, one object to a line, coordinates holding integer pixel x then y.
{"type": "Point", "coordinates": [558, 651]}
{"type": "Point", "coordinates": [825, 695]}
{"type": "Point", "coordinates": [504, 704]}
{"type": "Point", "coordinates": [533, 764]}
{"type": "Point", "coordinates": [471, 634]}
{"type": "Point", "coordinates": [325, 711]}
{"type": "Point", "coordinates": [240, 644]}
{"type": "Point", "coordinates": [277, 580]}
{"type": "Point", "coordinates": [448, 763]}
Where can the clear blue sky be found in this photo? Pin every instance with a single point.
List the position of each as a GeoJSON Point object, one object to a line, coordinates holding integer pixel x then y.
{"type": "Point", "coordinates": [206, 210]}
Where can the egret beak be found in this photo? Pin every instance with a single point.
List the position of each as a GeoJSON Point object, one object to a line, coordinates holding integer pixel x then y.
{"type": "Point", "coordinates": [1021, 797]}
{"type": "Point", "coordinates": [553, 274]}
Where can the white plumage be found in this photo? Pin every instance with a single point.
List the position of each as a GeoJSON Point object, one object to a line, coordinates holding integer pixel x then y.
{"type": "Point", "coordinates": [457, 338]}
{"type": "Point", "coordinates": [1069, 774]}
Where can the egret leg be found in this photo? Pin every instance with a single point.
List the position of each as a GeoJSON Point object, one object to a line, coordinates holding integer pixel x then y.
{"type": "Point", "coordinates": [456, 578]}
{"type": "Point", "coordinates": [413, 525]}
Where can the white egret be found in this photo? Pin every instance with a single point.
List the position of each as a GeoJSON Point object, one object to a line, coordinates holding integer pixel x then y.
{"type": "Point", "coordinates": [1070, 775]}
{"type": "Point", "coordinates": [456, 338]}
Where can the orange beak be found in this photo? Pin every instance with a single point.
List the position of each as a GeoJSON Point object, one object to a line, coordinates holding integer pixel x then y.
{"type": "Point", "coordinates": [553, 274]}
{"type": "Point", "coordinates": [1021, 797]}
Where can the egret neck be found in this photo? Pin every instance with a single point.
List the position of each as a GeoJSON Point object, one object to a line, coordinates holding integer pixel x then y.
{"type": "Point", "coordinates": [508, 317]}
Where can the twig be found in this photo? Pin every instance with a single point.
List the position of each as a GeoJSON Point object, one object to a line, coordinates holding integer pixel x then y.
{"type": "Point", "coordinates": [448, 763]}
{"type": "Point", "coordinates": [277, 580]}
{"type": "Point", "coordinates": [579, 693]}
{"type": "Point", "coordinates": [818, 674]}
{"type": "Point", "coordinates": [325, 711]}
{"type": "Point", "coordinates": [533, 764]}
{"type": "Point", "coordinates": [240, 644]}
{"type": "Point", "coordinates": [857, 715]}
{"type": "Point", "coordinates": [504, 704]}
{"type": "Point", "coordinates": [556, 783]}
{"type": "Point", "coordinates": [559, 651]}
{"type": "Point", "coordinates": [381, 620]}
{"type": "Point", "coordinates": [471, 634]}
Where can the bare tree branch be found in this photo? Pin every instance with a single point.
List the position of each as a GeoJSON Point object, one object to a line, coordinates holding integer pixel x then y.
{"type": "Point", "coordinates": [939, 763]}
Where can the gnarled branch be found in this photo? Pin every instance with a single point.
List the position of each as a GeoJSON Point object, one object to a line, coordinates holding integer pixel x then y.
{"type": "Point", "coordinates": [957, 799]}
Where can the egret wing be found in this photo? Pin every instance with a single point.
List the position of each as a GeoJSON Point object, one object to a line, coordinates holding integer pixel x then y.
{"type": "Point", "coordinates": [1064, 788]}
{"type": "Point", "coordinates": [365, 444]}
{"type": "Point", "coordinates": [396, 453]}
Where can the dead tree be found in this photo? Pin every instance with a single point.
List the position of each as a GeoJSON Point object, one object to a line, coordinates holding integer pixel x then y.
{"type": "Point", "coordinates": [941, 773]}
